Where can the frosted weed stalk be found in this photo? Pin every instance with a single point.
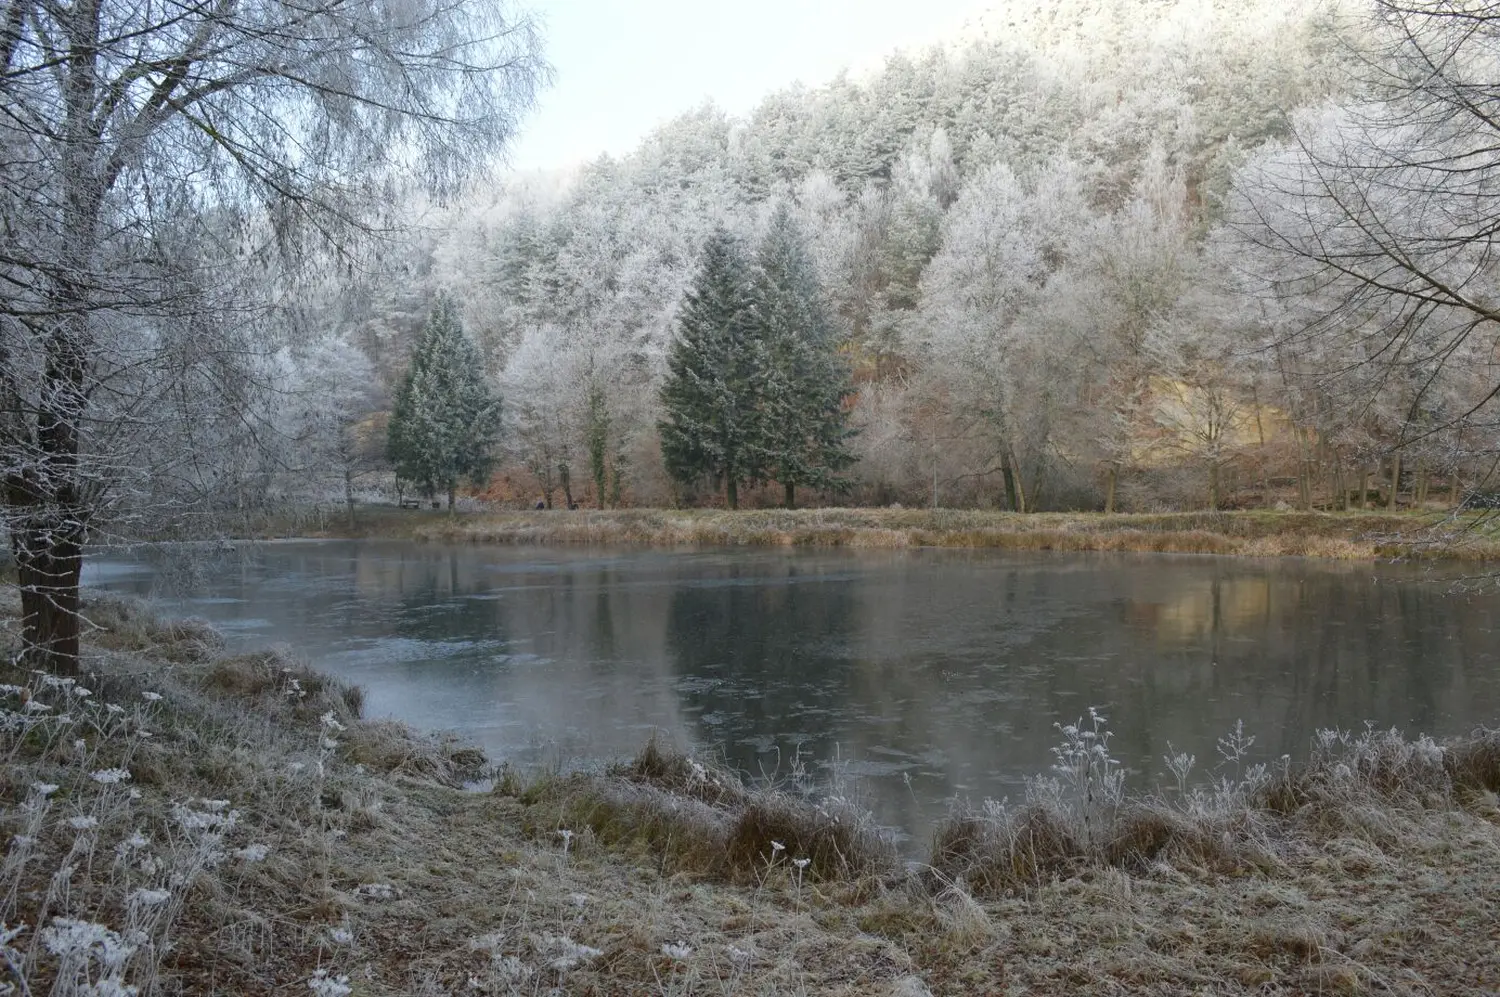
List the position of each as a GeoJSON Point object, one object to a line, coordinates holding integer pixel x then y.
{"type": "Point", "coordinates": [1088, 785]}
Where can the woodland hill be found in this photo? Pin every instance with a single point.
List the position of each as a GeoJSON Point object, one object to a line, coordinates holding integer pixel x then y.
{"type": "Point", "coordinates": [1149, 333]}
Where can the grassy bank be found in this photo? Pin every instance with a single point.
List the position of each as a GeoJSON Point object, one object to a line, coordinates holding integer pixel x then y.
{"type": "Point", "coordinates": [206, 823]}
{"type": "Point", "coordinates": [1353, 535]}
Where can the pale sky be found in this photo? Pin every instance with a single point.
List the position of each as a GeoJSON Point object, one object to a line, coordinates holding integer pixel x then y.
{"type": "Point", "coordinates": [625, 66]}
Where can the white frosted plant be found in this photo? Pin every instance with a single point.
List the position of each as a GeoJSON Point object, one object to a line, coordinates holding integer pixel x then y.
{"type": "Point", "coordinates": [565, 953]}
{"type": "Point", "coordinates": [325, 984]}
{"type": "Point", "coordinates": [1180, 764]}
{"type": "Point", "coordinates": [88, 954]}
{"type": "Point", "coordinates": [252, 853]}
{"type": "Point", "coordinates": [1089, 784]}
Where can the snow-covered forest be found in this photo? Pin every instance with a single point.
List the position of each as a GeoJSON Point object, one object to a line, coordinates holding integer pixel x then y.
{"type": "Point", "coordinates": [1095, 254]}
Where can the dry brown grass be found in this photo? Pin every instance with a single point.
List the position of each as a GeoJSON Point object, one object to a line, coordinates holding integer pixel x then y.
{"type": "Point", "coordinates": [1473, 765]}
{"type": "Point", "coordinates": [124, 624]}
{"type": "Point", "coordinates": [1342, 536]}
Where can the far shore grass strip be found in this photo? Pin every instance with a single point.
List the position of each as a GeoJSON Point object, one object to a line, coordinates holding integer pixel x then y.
{"type": "Point", "coordinates": [1340, 536]}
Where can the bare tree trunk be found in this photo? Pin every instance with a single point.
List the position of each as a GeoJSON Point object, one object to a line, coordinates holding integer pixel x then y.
{"type": "Point", "coordinates": [1455, 490]}
{"type": "Point", "coordinates": [1009, 474]}
{"type": "Point", "coordinates": [1390, 499]}
{"type": "Point", "coordinates": [1111, 478]}
{"type": "Point", "coordinates": [1260, 434]}
{"type": "Point", "coordinates": [1421, 496]}
{"type": "Point", "coordinates": [791, 495]}
{"type": "Point", "coordinates": [452, 494]}
{"type": "Point", "coordinates": [1022, 505]}
{"type": "Point", "coordinates": [731, 492]}
{"type": "Point", "coordinates": [1213, 486]}
{"type": "Point", "coordinates": [565, 478]}
{"type": "Point", "coordinates": [1364, 488]}
{"type": "Point", "coordinates": [1340, 486]}
{"type": "Point", "coordinates": [349, 494]}
{"type": "Point", "coordinates": [47, 536]}
{"type": "Point", "coordinates": [1015, 488]}
{"type": "Point", "coordinates": [49, 563]}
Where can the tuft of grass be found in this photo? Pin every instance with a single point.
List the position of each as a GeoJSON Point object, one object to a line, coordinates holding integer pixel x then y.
{"type": "Point", "coordinates": [123, 624]}
{"type": "Point", "coordinates": [273, 678]}
{"type": "Point", "coordinates": [661, 764]}
{"type": "Point", "coordinates": [1148, 831]}
{"type": "Point", "coordinates": [1002, 850]}
{"type": "Point", "coordinates": [1473, 764]}
{"type": "Point", "coordinates": [838, 842]}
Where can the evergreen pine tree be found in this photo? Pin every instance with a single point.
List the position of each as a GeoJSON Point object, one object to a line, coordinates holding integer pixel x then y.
{"type": "Point", "coordinates": [805, 382]}
{"type": "Point", "coordinates": [445, 420]}
{"type": "Point", "coordinates": [712, 423]}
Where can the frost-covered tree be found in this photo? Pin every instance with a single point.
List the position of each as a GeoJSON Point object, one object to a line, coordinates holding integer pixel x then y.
{"type": "Point", "coordinates": [445, 423]}
{"type": "Point", "coordinates": [543, 381]}
{"type": "Point", "coordinates": [331, 394]}
{"type": "Point", "coordinates": [1372, 232]}
{"type": "Point", "coordinates": [1120, 123]}
{"type": "Point", "coordinates": [1131, 269]}
{"type": "Point", "coordinates": [164, 165]}
{"type": "Point", "coordinates": [983, 321]}
{"type": "Point", "coordinates": [804, 425]}
{"type": "Point", "coordinates": [712, 418]}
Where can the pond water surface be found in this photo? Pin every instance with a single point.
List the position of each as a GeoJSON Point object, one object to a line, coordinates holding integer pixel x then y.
{"type": "Point", "coordinates": [929, 674]}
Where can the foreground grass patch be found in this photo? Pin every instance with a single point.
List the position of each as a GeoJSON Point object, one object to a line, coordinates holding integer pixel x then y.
{"type": "Point", "coordinates": [185, 821]}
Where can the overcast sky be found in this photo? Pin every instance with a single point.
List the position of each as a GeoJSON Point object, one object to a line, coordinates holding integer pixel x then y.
{"type": "Point", "coordinates": [626, 66]}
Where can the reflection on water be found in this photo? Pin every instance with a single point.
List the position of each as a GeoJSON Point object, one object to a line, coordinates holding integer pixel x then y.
{"type": "Point", "coordinates": [931, 673]}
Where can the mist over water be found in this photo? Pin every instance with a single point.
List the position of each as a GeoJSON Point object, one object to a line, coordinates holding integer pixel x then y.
{"type": "Point", "coordinates": [928, 674]}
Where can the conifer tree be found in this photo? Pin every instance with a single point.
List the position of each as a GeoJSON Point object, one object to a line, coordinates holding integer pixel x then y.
{"type": "Point", "coordinates": [445, 420]}
{"type": "Point", "coordinates": [802, 390]}
{"type": "Point", "coordinates": [712, 424]}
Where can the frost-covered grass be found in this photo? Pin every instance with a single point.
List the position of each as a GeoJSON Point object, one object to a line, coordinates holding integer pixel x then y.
{"type": "Point", "coordinates": [195, 822]}
{"type": "Point", "coordinates": [1347, 536]}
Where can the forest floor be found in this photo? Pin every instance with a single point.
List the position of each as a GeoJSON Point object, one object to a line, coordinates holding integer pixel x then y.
{"type": "Point", "coordinates": [195, 822]}
{"type": "Point", "coordinates": [1346, 535]}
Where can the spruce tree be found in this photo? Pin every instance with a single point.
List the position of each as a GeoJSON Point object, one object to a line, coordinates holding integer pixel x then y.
{"type": "Point", "coordinates": [712, 424]}
{"type": "Point", "coordinates": [445, 422]}
{"type": "Point", "coordinates": [802, 390]}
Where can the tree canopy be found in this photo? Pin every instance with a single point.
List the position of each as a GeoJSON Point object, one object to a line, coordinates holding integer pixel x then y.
{"type": "Point", "coordinates": [169, 172]}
